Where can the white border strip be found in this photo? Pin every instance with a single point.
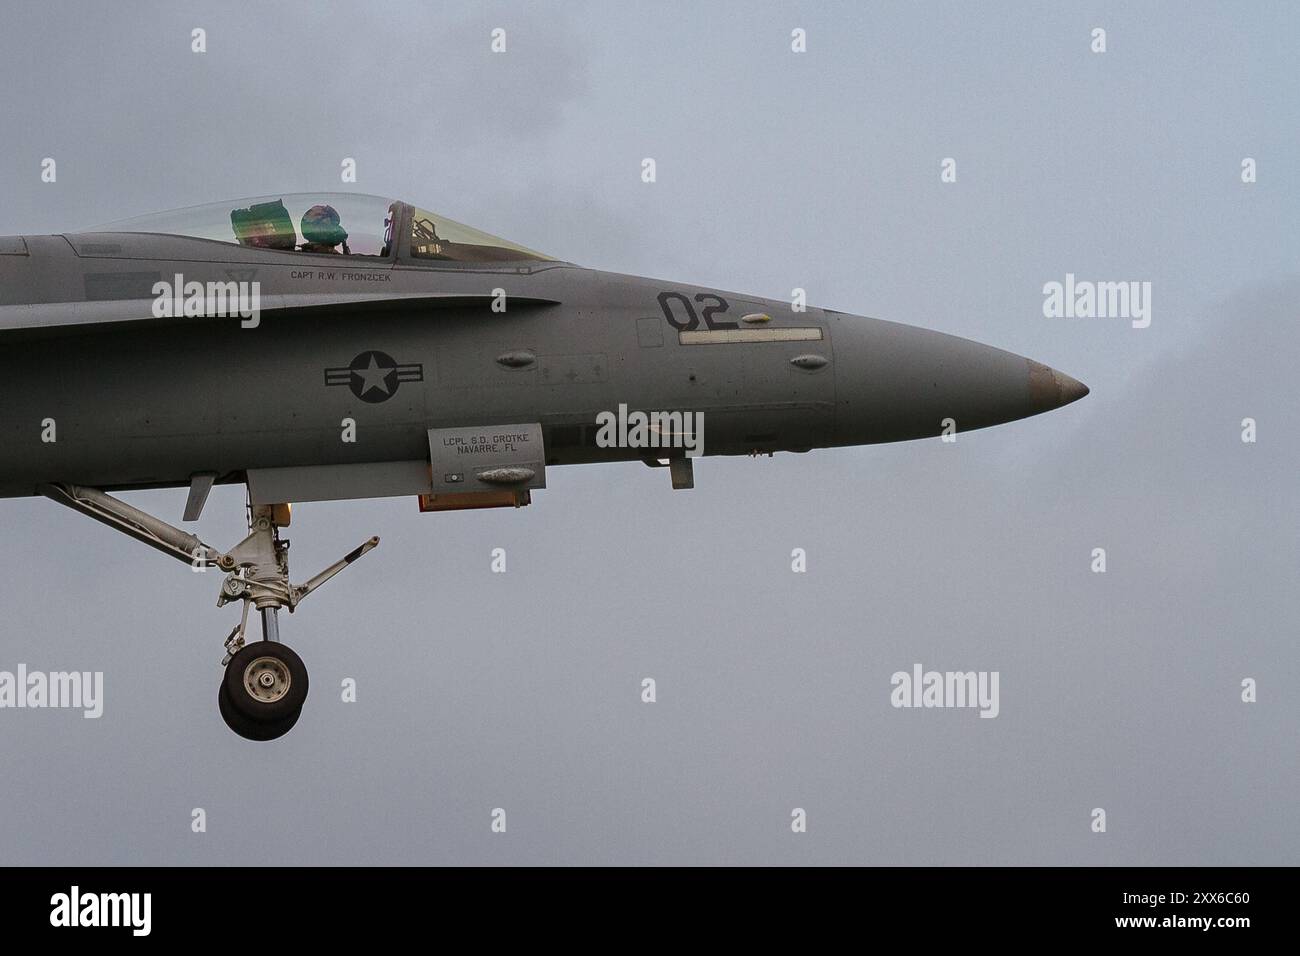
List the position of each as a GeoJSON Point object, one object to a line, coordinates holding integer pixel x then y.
{"type": "Point", "coordinates": [734, 336]}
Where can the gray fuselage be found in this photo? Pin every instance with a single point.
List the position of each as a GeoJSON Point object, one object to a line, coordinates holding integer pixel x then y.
{"type": "Point", "coordinates": [140, 401]}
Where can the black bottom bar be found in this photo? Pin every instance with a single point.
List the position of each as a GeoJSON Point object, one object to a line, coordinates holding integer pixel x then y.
{"type": "Point", "coordinates": [211, 905]}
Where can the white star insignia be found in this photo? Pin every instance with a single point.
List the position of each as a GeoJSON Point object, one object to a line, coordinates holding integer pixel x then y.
{"type": "Point", "coordinates": [374, 377]}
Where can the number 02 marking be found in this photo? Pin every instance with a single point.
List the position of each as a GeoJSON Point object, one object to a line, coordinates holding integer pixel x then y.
{"type": "Point", "coordinates": [684, 318]}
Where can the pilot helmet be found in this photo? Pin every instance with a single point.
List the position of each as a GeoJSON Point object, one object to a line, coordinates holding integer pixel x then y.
{"type": "Point", "coordinates": [320, 224]}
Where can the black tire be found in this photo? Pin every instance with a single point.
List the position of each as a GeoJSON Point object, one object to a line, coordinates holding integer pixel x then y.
{"type": "Point", "coordinates": [251, 729]}
{"type": "Point", "coordinates": [285, 662]}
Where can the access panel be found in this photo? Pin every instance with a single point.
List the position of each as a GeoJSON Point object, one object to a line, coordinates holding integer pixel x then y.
{"type": "Point", "coordinates": [487, 458]}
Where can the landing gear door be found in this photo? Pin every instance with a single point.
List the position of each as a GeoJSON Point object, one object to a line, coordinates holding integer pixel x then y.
{"type": "Point", "coordinates": [487, 458]}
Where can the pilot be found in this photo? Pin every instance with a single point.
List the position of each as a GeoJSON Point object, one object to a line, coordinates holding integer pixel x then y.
{"type": "Point", "coordinates": [321, 229]}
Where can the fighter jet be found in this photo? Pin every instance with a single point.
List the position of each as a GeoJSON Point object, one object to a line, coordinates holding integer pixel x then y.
{"type": "Point", "coordinates": [341, 346]}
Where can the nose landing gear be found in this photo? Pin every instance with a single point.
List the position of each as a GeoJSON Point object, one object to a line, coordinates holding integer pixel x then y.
{"type": "Point", "coordinates": [265, 683]}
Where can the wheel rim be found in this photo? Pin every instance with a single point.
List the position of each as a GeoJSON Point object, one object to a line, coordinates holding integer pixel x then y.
{"type": "Point", "coordinates": [267, 679]}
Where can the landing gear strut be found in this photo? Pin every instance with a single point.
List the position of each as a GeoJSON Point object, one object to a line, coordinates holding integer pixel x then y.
{"type": "Point", "coordinates": [265, 683]}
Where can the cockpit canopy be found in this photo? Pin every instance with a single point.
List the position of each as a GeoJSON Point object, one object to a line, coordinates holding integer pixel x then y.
{"type": "Point", "coordinates": [349, 224]}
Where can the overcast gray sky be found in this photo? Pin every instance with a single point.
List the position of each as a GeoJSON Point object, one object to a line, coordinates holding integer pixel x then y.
{"type": "Point", "coordinates": [775, 170]}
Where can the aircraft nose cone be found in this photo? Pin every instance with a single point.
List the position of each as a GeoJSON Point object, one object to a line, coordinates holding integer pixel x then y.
{"type": "Point", "coordinates": [1050, 389]}
{"type": "Point", "coordinates": [897, 382]}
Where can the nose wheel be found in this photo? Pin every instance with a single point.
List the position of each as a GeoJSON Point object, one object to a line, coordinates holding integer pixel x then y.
{"type": "Point", "coordinates": [262, 690]}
